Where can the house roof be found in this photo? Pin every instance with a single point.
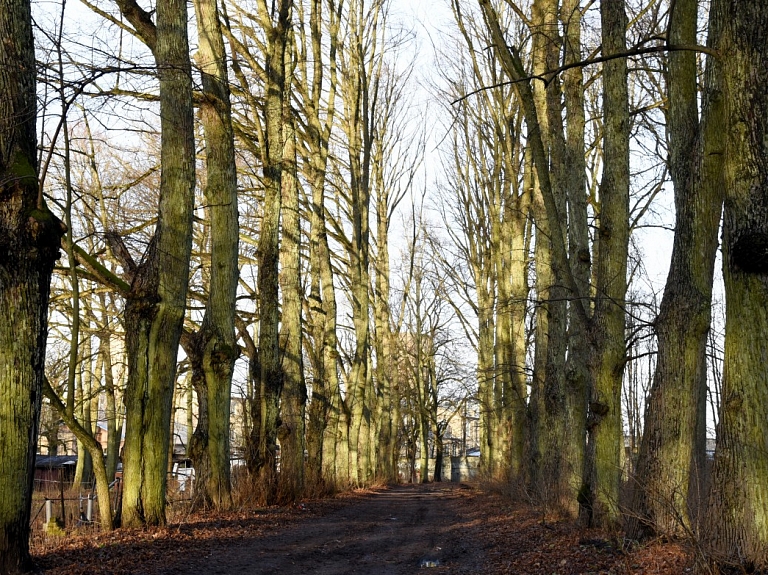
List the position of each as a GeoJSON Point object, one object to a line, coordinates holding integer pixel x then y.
{"type": "Point", "coordinates": [55, 461]}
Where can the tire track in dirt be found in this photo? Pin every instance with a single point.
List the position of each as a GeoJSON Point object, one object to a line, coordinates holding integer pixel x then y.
{"type": "Point", "coordinates": [389, 532]}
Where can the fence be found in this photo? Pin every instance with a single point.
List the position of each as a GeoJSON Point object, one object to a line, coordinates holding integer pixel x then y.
{"type": "Point", "coordinates": [57, 508]}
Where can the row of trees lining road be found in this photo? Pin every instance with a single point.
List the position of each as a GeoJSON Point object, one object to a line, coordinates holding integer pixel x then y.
{"type": "Point", "coordinates": [533, 182]}
{"type": "Point", "coordinates": [223, 197]}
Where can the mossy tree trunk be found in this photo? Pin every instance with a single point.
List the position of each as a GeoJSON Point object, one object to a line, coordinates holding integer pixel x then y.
{"type": "Point", "coordinates": [735, 530]}
{"type": "Point", "coordinates": [359, 93]}
{"type": "Point", "coordinates": [577, 369]}
{"type": "Point", "coordinates": [154, 310]}
{"type": "Point", "coordinates": [29, 246]}
{"type": "Point", "coordinates": [213, 349]}
{"type": "Point", "coordinates": [606, 438]}
{"type": "Point", "coordinates": [276, 25]}
{"type": "Point", "coordinates": [323, 416]}
{"type": "Point", "coordinates": [291, 481]}
{"type": "Point", "coordinates": [670, 464]}
{"type": "Point", "coordinates": [547, 405]}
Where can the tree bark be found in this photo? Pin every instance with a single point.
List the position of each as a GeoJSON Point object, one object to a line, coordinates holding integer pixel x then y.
{"type": "Point", "coordinates": [93, 448]}
{"type": "Point", "coordinates": [154, 310]}
{"type": "Point", "coordinates": [670, 465]}
{"type": "Point", "coordinates": [388, 408]}
{"type": "Point", "coordinates": [215, 347]}
{"type": "Point", "coordinates": [359, 91]}
{"type": "Point", "coordinates": [577, 369]}
{"type": "Point", "coordinates": [606, 439]}
{"type": "Point", "coordinates": [29, 246]}
{"type": "Point", "coordinates": [271, 376]}
{"type": "Point", "coordinates": [736, 525]}
{"type": "Point", "coordinates": [294, 396]}
{"type": "Point", "coordinates": [323, 417]}
{"type": "Point", "coordinates": [548, 396]}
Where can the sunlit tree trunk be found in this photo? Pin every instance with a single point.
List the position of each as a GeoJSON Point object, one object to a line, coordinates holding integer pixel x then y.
{"type": "Point", "coordinates": [93, 448]}
{"type": "Point", "coordinates": [577, 370]}
{"type": "Point", "coordinates": [510, 267]}
{"type": "Point", "coordinates": [551, 202]}
{"type": "Point", "coordinates": [322, 421]}
{"type": "Point", "coordinates": [388, 414]}
{"type": "Point", "coordinates": [29, 240]}
{"type": "Point", "coordinates": [606, 438]}
{"type": "Point", "coordinates": [359, 95]}
{"type": "Point", "coordinates": [547, 393]}
{"type": "Point", "coordinates": [670, 464]}
{"type": "Point", "coordinates": [106, 333]}
{"type": "Point", "coordinates": [294, 395]}
{"type": "Point", "coordinates": [736, 525]}
{"type": "Point", "coordinates": [154, 310]}
{"type": "Point", "coordinates": [514, 272]}
{"type": "Point", "coordinates": [83, 398]}
{"type": "Point", "coordinates": [213, 349]}
{"type": "Point", "coordinates": [114, 422]}
{"type": "Point", "coordinates": [326, 410]}
{"type": "Point", "coordinates": [474, 190]}
{"type": "Point", "coordinates": [270, 376]}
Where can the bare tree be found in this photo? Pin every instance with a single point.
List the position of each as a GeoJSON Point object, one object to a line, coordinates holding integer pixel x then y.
{"type": "Point", "coordinates": [670, 468]}
{"type": "Point", "coordinates": [29, 246]}
{"type": "Point", "coordinates": [155, 307]}
{"type": "Point", "coordinates": [212, 350]}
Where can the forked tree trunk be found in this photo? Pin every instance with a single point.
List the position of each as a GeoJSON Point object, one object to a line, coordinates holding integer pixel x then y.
{"type": "Point", "coordinates": [154, 310]}
{"type": "Point", "coordinates": [670, 464]}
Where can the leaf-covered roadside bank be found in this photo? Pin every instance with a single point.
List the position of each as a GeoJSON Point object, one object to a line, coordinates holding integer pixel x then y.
{"type": "Point", "coordinates": [436, 528]}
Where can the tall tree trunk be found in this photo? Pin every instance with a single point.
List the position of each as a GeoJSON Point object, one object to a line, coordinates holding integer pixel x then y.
{"type": "Point", "coordinates": [294, 396]}
{"type": "Point", "coordinates": [556, 431]}
{"type": "Point", "coordinates": [548, 393]}
{"type": "Point", "coordinates": [326, 396]}
{"type": "Point", "coordinates": [514, 272]}
{"type": "Point", "coordinates": [154, 311]}
{"type": "Point", "coordinates": [271, 377]}
{"type": "Point", "coordinates": [29, 246]}
{"type": "Point", "coordinates": [388, 414]}
{"type": "Point", "coordinates": [670, 463]}
{"type": "Point", "coordinates": [360, 279]}
{"type": "Point", "coordinates": [736, 525]}
{"type": "Point", "coordinates": [577, 369]}
{"type": "Point", "coordinates": [552, 205]}
{"type": "Point", "coordinates": [215, 346]}
{"type": "Point", "coordinates": [606, 439]}
{"type": "Point", "coordinates": [321, 431]}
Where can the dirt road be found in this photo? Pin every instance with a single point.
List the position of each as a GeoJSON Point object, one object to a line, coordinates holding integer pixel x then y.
{"type": "Point", "coordinates": [411, 529]}
{"type": "Point", "coordinates": [401, 530]}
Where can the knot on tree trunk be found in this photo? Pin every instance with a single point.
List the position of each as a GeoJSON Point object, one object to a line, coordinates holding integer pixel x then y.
{"type": "Point", "coordinates": [750, 253]}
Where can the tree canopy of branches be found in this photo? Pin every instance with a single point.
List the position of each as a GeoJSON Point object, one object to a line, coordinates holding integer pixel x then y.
{"type": "Point", "coordinates": [241, 286]}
